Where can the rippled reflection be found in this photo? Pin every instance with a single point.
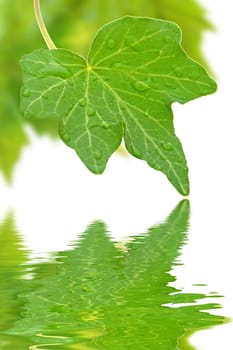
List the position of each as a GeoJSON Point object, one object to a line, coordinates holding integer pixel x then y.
{"type": "Point", "coordinates": [100, 295]}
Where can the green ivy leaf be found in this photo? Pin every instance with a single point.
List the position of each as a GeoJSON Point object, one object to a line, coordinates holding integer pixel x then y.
{"type": "Point", "coordinates": [135, 70]}
{"type": "Point", "coordinates": [68, 20]}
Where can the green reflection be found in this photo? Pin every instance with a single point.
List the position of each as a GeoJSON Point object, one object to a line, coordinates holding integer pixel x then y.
{"type": "Point", "coordinates": [13, 259]}
{"type": "Point", "coordinates": [72, 24]}
{"type": "Point", "coordinates": [102, 295]}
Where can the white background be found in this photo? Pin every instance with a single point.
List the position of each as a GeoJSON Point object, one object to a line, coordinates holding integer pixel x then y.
{"type": "Point", "coordinates": [54, 197]}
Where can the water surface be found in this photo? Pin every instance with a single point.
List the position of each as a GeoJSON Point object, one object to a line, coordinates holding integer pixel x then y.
{"type": "Point", "coordinates": [101, 294]}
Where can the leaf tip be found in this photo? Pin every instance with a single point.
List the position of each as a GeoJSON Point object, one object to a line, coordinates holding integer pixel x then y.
{"type": "Point", "coordinates": [184, 189]}
{"type": "Point", "coordinates": [96, 167]}
{"type": "Point", "coordinates": [214, 85]}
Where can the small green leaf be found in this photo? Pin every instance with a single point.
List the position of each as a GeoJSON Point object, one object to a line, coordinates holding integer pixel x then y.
{"type": "Point", "coordinates": [135, 70]}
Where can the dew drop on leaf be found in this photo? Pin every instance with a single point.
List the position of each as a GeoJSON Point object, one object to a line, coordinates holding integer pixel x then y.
{"type": "Point", "coordinates": [57, 71]}
{"type": "Point", "coordinates": [131, 41]}
{"type": "Point", "coordinates": [140, 86]}
{"type": "Point", "coordinates": [45, 97]}
{"type": "Point", "coordinates": [97, 154]}
{"type": "Point", "coordinates": [90, 111]}
{"type": "Point", "coordinates": [94, 124]}
{"type": "Point", "coordinates": [147, 114]}
{"type": "Point", "coordinates": [111, 44]}
{"type": "Point", "coordinates": [26, 93]}
{"type": "Point", "coordinates": [66, 137]}
{"type": "Point", "coordinates": [167, 146]}
{"type": "Point", "coordinates": [161, 52]}
{"type": "Point", "coordinates": [106, 126]}
{"type": "Point", "coordinates": [156, 166]}
{"type": "Point", "coordinates": [69, 109]}
{"type": "Point", "coordinates": [82, 102]}
{"type": "Point", "coordinates": [135, 152]}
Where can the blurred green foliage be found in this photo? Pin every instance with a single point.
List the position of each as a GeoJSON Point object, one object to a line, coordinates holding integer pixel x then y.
{"type": "Point", "coordinates": [13, 259]}
{"type": "Point", "coordinates": [72, 24]}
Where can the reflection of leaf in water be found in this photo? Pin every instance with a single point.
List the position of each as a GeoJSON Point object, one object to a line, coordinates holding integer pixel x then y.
{"type": "Point", "coordinates": [72, 24]}
{"type": "Point", "coordinates": [12, 258]}
{"type": "Point", "coordinates": [103, 297]}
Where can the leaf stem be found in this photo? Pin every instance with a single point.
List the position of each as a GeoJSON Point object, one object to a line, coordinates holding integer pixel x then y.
{"type": "Point", "coordinates": [42, 26]}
